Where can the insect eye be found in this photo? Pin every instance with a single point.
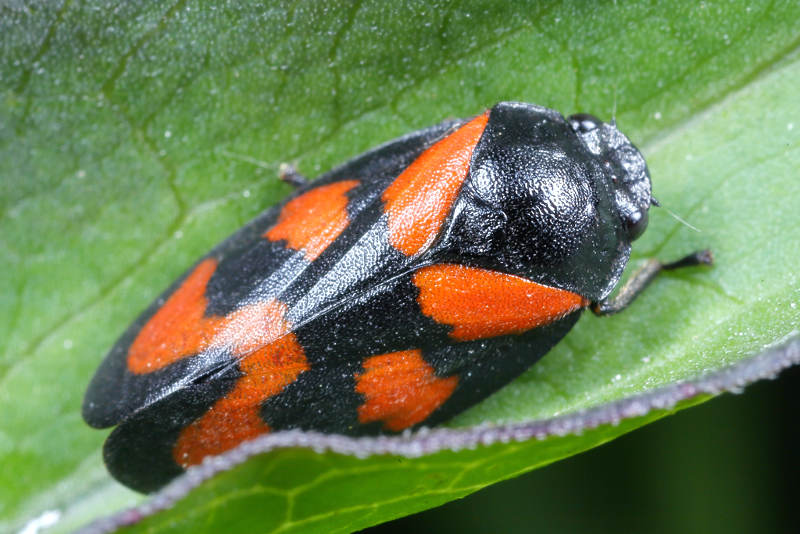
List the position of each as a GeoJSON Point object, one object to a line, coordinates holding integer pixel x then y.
{"type": "Point", "coordinates": [635, 224]}
{"type": "Point", "coordinates": [584, 122]}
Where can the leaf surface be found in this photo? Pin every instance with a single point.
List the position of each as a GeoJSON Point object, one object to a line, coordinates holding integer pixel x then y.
{"type": "Point", "coordinates": [134, 137]}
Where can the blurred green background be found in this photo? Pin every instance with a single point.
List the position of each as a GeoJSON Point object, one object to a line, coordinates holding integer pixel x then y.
{"type": "Point", "coordinates": [728, 465]}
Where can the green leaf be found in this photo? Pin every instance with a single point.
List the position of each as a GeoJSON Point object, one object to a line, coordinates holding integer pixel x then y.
{"type": "Point", "coordinates": [135, 136]}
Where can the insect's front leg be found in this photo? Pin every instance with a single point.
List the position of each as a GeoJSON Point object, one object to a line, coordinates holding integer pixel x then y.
{"type": "Point", "coordinates": [642, 278]}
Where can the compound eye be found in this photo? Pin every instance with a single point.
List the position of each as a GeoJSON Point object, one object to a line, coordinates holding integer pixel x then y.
{"type": "Point", "coordinates": [635, 224]}
{"type": "Point", "coordinates": [583, 122]}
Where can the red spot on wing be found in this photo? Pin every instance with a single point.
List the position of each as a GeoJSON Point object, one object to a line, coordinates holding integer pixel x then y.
{"type": "Point", "coordinates": [479, 303]}
{"type": "Point", "coordinates": [400, 389]}
{"type": "Point", "coordinates": [271, 359]}
{"type": "Point", "coordinates": [419, 200]}
{"type": "Point", "coordinates": [314, 220]}
{"type": "Point", "coordinates": [178, 329]}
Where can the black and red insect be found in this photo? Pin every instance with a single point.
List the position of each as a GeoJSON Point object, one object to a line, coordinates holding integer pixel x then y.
{"type": "Point", "coordinates": [392, 292]}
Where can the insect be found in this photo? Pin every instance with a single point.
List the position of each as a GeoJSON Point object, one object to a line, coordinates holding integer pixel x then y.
{"type": "Point", "coordinates": [392, 292]}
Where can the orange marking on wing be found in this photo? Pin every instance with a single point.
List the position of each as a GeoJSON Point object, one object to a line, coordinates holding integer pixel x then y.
{"type": "Point", "coordinates": [271, 359]}
{"type": "Point", "coordinates": [314, 220]}
{"type": "Point", "coordinates": [479, 303]}
{"type": "Point", "coordinates": [178, 329]}
{"type": "Point", "coordinates": [419, 200]}
{"type": "Point", "coordinates": [400, 389]}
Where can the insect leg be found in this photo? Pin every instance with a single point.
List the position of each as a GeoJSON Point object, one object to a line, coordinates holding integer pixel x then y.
{"type": "Point", "coordinates": [642, 278]}
{"type": "Point", "coordinates": [291, 176]}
